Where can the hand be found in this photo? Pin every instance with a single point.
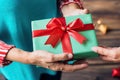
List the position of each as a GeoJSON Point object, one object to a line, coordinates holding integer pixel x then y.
{"type": "Point", "coordinates": [53, 61]}
{"type": "Point", "coordinates": [46, 60]}
{"type": "Point", "coordinates": [73, 9]}
{"type": "Point", "coordinates": [76, 12]}
{"type": "Point", "coordinates": [108, 54]}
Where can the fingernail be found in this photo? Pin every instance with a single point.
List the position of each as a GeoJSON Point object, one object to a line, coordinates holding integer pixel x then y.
{"type": "Point", "coordinates": [70, 56]}
{"type": "Point", "coordinates": [85, 65]}
{"type": "Point", "coordinates": [94, 49]}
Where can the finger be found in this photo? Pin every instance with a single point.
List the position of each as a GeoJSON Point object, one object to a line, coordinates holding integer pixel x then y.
{"type": "Point", "coordinates": [105, 47]}
{"type": "Point", "coordinates": [85, 11]}
{"type": "Point", "coordinates": [75, 67]}
{"type": "Point", "coordinates": [61, 57]}
{"type": "Point", "coordinates": [68, 68]}
{"type": "Point", "coordinates": [101, 50]}
{"type": "Point", "coordinates": [106, 58]}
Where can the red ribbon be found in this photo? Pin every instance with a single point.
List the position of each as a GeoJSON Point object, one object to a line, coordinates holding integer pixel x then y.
{"type": "Point", "coordinates": [116, 72]}
{"type": "Point", "coordinates": [59, 31]}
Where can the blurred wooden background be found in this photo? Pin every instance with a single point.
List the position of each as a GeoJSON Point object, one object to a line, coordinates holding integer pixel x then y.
{"type": "Point", "coordinates": [109, 12]}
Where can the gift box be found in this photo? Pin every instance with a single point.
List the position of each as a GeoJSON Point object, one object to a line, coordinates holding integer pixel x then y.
{"type": "Point", "coordinates": [73, 34]}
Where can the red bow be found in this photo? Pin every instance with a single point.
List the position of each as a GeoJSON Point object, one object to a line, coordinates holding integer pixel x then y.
{"type": "Point", "coordinates": [59, 31]}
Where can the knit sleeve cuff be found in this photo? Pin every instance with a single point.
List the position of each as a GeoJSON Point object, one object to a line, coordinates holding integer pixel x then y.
{"type": "Point", "coordinates": [4, 49]}
{"type": "Point", "coordinates": [65, 2]}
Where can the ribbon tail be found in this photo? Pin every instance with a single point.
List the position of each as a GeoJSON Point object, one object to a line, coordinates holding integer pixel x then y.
{"type": "Point", "coordinates": [88, 27]}
{"type": "Point", "coordinates": [66, 44]}
{"type": "Point", "coordinates": [54, 38]}
{"type": "Point", "coordinates": [37, 33]}
{"type": "Point", "coordinates": [77, 36]}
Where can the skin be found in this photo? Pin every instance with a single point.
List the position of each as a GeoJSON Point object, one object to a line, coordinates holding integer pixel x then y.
{"type": "Point", "coordinates": [108, 54]}
{"type": "Point", "coordinates": [73, 9]}
{"type": "Point", "coordinates": [51, 61]}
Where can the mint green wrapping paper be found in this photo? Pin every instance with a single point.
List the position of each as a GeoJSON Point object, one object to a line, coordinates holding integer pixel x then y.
{"type": "Point", "coordinates": [80, 51]}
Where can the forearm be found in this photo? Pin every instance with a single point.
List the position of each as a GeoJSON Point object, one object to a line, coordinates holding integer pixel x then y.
{"type": "Point", "coordinates": [18, 55]}
{"type": "Point", "coordinates": [9, 53]}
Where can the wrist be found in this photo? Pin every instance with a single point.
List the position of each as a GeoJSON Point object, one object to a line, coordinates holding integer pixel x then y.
{"type": "Point", "coordinates": [4, 50]}
{"type": "Point", "coordinates": [30, 59]}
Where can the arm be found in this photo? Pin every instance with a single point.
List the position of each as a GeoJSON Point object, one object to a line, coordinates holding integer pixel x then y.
{"type": "Point", "coordinates": [39, 58]}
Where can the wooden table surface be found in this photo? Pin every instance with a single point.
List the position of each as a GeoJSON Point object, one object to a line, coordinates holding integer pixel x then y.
{"type": "Point", "coordinates": [109, 12]}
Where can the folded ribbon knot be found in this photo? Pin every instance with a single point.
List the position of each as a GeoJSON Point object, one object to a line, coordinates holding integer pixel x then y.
{"type": "Point", "coordinates": [59, 31]}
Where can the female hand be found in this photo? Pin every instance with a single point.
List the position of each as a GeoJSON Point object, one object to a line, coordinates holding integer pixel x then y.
{"type": "Point", "coordinates": [46, 59]}
{"type": "Point", "coordinates": [108, 54]}
{"type": "Point", "coordinates": [76, 12]}
{"type": "Point", "coordinates": [73, 9]}
{"type": "Point", "coordinates": [54, 61]}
